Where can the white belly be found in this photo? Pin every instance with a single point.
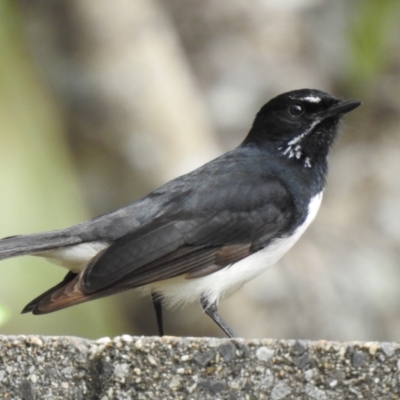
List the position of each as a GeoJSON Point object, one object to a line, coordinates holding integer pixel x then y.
{"type": "Point", "coordinates": [228, 280]}
{"type": "Point", "coordinates": [75, 258]}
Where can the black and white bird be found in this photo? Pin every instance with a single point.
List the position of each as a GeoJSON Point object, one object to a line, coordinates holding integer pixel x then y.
{"type": "Point", "coordinates": [200, 237]}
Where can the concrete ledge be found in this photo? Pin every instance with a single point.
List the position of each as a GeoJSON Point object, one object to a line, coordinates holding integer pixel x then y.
{"type": "Point", "coordinates": [142, 368]}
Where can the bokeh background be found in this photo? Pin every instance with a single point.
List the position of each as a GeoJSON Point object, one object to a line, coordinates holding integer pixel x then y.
{"type": "Point", "coordinates": [101, 102]}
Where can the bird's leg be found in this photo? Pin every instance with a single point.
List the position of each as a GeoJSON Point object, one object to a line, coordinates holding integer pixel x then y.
{"type": "Point", "coordinates": [212, 311]}
{"type": "Point", "coordinates": [158, 309]}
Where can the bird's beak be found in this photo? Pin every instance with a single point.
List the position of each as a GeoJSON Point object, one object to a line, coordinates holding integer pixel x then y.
{"type": "Point", "coordinates": [341, 108]}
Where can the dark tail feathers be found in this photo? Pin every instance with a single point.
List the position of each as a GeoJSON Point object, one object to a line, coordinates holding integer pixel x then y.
{"type": "Point", "coordinates": [14, 246]}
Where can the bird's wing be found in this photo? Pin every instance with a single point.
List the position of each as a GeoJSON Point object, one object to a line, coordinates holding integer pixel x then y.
{"type": "Point", "coordinates": [197, 244]}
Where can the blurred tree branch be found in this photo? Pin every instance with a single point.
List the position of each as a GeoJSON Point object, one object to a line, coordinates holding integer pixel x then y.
{"type": "Point", "coordinates": [134, 111]}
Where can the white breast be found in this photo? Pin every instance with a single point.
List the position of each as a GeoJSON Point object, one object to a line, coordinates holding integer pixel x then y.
{"type": "Point", "coordinates": [226, 281]}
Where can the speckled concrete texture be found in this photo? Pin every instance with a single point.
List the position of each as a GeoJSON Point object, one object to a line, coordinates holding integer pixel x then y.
{"type": "Point", "coordinates": [166, 368]}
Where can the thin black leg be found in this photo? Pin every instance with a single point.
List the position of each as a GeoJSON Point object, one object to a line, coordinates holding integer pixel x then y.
{"type": "Point", "coordinates": [158, 309]}
{"type": "Point", "coordinates": [212, 311]}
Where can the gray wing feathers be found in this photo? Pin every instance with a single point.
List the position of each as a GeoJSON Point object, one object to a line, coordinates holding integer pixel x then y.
{"type": "Point", "coordinates": [164, 249]}
{"type": "Point", "coordinates": [131, 252]}
{"type": "Point", "coordinates": [108, 227]}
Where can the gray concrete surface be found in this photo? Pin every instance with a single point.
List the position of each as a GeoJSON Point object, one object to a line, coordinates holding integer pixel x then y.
{"type": "Point", "coordinates": [33, 367]}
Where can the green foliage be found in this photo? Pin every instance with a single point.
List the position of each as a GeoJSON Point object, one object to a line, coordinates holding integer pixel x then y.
{"type": "Point", "coordinates": [373, 30]}
{"type": "Point", "coordinates": [5, 314]}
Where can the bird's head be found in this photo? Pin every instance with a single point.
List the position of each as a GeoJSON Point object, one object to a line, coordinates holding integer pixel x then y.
{"type": "Point", "coordinates": [302, 124]}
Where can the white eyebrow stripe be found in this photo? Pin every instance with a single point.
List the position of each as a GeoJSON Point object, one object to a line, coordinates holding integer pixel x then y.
{"type": "Point", "coordinates": [312, 99]}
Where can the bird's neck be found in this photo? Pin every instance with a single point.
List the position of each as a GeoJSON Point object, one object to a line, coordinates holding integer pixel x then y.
{"type": "Point", "coordinates": [308, 170]}
{"type": "Point", "coordinates": [305, 156]}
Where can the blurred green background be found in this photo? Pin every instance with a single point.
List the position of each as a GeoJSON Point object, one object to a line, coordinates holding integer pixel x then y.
{"type": "Point", "coordinates": [99, 104]}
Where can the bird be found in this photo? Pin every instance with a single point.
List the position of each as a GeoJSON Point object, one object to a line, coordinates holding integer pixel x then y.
{"type": "Point", "coordinates": [202, 236]}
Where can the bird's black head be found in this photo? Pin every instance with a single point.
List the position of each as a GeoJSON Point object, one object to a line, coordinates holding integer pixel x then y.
{"type": "Point", "coordinates": [301, 124]}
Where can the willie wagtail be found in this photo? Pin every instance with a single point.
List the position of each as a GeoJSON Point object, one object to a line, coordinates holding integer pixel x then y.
{"type": "Point", "coordinates": [203, 235]}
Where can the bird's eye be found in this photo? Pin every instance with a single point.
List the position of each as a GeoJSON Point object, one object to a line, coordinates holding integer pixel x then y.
{"type": "Point", "coordinates": [296, 109]}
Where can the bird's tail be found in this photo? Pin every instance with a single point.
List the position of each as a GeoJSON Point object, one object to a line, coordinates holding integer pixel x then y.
{"type": "Point", "coordinates": [14, 246]}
